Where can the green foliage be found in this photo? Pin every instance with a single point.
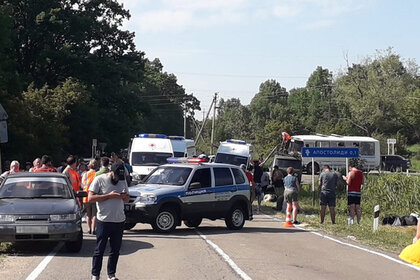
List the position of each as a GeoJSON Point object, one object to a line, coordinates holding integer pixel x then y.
{"type": "Point", "coordinates": [397, 194]}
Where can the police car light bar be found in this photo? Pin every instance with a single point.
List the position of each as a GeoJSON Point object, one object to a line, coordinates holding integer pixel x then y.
{"type": "Point", "coordinates": [148, 135]}
{"type": "Point", "coordinates": [185, 160]}
{"type": "Point", "coordinates": [236, 141]}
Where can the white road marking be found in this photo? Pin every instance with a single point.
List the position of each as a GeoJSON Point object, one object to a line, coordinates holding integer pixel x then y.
{"type": "Point", "coordinates": [42, 265]}
{"type": "Point", "coordinates": [231, 263]}
{"type": "Point", "coordinates": [354, 246]}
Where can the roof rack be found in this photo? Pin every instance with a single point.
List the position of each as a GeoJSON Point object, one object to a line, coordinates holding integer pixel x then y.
{"type": "Point", "coordinates": [336, 135]}
{"type": "Point", "coordinates": [322, 135]}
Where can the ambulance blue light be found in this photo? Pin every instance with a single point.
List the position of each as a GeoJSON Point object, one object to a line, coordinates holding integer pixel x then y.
{"type": "Point", "coordinates": [236, 141]}
{"type": "Point", "coordinates": [148, 135]}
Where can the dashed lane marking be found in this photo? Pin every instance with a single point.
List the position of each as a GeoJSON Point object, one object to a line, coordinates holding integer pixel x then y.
{"type": "Point", "coordinates": [231, 263]}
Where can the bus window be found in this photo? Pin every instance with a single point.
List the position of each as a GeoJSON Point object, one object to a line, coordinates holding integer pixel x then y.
{"type": "Point", "coordinates": [337, 144]}
{"type": "Point", "coordinates": [309, 144]}
{"type": "Point", "coordinates": [367, 149]}
{"type": "Point", "coordinates": [323, 144]}
{"type": "Point", "coordinates": [352, 144]}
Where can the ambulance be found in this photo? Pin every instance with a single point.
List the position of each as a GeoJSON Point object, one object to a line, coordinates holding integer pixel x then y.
{"type": "Point", "coordinates": [148, 151]}
{"type": "Point", "coordinates": [183, 147]}
{"type": "Point", "coordinates": [234, 152]}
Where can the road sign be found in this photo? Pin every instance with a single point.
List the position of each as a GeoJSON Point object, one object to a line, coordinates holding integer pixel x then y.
{"type": "Point", "coordinates": [391, 141]}
{"type": "Point", "coordinates": [331, 152]}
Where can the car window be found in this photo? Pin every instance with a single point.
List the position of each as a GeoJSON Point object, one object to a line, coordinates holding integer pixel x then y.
{"type": "Point", "coordinates": [35, 188]}
{"type": "Point", "coordinates": [202, 176]}
{"type": "Point", "coordinates": [367, 148]}
{"type": "Point", "coordinates": [239, 177]}
{"type": "Point", "coordinates": [222, 176]}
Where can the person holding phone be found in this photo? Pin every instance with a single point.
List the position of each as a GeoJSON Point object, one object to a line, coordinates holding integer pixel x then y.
{"type": "Point", "coordinates": [110, 192]}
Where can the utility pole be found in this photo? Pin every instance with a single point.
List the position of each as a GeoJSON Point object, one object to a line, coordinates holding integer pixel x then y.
{"type": "Point", "coordinates": [213, 123]}
{"type": "Point", "coordinates": [185, 120]}
{"type": "Point", "coordinates": [205, 120]}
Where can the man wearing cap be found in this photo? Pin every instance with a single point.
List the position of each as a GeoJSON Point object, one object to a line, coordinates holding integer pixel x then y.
{"type": "Point", "coordinates": [110, 192]}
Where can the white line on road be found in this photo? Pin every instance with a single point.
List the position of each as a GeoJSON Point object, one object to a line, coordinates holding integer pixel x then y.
{"type": "Point", "coordinates": [354, 246]}
{"type": "Point", "coordinates": [231, 263]}
{"type": "Point", "coordinates": [42, 265]}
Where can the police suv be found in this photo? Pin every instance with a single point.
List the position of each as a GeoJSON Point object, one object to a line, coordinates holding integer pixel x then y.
{"type": "Point", "coordinates": [190, 192]}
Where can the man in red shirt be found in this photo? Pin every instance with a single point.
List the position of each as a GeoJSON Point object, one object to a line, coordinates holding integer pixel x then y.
{"type": "Point", "coordinates": [354, 192]}
{"type": "Point", "coordinates": [251, 182]}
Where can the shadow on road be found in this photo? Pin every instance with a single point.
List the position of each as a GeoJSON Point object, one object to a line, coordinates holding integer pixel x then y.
{"type": "Point", "coordinates": [30, 249]}
{"type": "Point", "coordinates": [184, 233]}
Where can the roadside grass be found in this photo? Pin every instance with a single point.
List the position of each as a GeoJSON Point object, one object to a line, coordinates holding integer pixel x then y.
{"type": "Point", "coordinates": [386, 238]}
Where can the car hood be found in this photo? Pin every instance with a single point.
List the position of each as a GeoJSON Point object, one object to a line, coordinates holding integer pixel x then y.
{"type": "Point", "coordinates": [157, 190]}
{"type": "Point", "coordinates": [37, 206]}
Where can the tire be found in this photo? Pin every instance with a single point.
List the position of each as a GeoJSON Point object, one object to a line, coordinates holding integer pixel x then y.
{"type": "Point", "coordinates": [193, 222]}
{"type": "Point", "coordinates": [75, 246]}
{"type": "Point", "coordinates": [309, 168]}
{"type": "Point", "coordinates": [235, 218]}
{"type": "Point", "coordinates": [128, 226]}
{"type": "Point", "coordinates": [165, 221]}
{"type": "Point", "coordinates": [399, 169]}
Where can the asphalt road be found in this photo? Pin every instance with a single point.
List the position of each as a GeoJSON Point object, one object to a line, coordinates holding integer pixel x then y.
{"type": "Point", "coordinates": [263, 249]}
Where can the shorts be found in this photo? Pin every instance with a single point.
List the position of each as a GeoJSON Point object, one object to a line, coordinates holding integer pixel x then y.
{"type": "Point", "coordinates": [327, 198]}
{"type": "Point", "coordinates": [290, 196]}
{"type": "Point", "coordinates": [90, 209]}
{"type": "Point", "coordinates": [351, 199]}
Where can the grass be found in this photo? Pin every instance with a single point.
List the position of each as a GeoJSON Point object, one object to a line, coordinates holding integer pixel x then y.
{"type": "Point", "coordinates": [386, 238]}
{"type": "Point", "coordinates": [415, 158]}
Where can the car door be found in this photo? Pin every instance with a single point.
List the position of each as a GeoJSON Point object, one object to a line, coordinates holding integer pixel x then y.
{"type": "Point", "coordinates": [224, 189]}
{"type": "Point", "coordinates": [199, 196]}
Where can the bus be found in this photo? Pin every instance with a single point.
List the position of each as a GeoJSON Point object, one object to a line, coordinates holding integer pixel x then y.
{"type": "Point", "coordinates": [369, 150]}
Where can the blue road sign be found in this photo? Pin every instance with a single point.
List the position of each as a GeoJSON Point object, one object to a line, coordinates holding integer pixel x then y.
{"type": "Point", "coordinates": [331, 152]}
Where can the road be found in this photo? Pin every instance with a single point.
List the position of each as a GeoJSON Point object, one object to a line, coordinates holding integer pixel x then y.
{"type": "Point", "coordinates": [263, 249]}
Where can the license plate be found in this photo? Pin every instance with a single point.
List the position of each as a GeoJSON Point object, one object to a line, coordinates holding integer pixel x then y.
{"type": "Point", "coordinates": [127, 207]}
{"type": "Point", "coordinates": [32, 229]}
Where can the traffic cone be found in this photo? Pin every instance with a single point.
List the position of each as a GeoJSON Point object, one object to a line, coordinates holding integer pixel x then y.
{"type": "Point", "coordinates": [288, 222]}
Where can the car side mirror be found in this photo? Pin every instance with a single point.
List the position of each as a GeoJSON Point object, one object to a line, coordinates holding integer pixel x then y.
{"type": "Point", "coordinates": [81, 194]}
{"type": "Point", "coordinates": [195, 185]}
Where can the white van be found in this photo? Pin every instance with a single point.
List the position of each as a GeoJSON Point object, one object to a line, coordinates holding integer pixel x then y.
{"type": "Point", "coordinates": [234, 152]}
{"type": "Point", "coordinates": [147, 151]}
{"type": "Point", "coordinates": [183, 147]}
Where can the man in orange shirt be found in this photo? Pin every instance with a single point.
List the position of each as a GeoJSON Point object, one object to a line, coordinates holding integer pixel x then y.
{"type": "Point", "coordinates": [71, 172]}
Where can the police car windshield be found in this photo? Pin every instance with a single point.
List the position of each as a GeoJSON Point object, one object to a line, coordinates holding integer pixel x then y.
{"type": "Point", "coordinates": [230, 159]}
{"type": "Point", "coordinates": [149, 158]}
{"type": "Point", "coordinates": [169, 175]}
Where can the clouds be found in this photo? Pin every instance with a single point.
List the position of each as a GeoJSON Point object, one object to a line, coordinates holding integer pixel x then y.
{"type": "Point", "coordinates": [183, 15]}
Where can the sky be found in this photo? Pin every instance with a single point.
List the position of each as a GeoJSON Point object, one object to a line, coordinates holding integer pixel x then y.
{"type": "Point", "coordinates": [232, 46]}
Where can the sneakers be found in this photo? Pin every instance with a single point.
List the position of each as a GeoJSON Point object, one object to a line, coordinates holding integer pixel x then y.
{"type": "Point", "coordinates": [296, 223]}
{"type": "Point", "coordinates": [112, 278]}
{"type": "Point", "coordinates": [95, 277]}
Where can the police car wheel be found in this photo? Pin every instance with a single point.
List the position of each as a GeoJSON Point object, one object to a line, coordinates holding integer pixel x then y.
{"type": "Point", "coordinates": [193, 222]}
{"type": "Point", "coordinates": [165, 221]}
{"type": "Point", "coordinates": [236, 218]}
